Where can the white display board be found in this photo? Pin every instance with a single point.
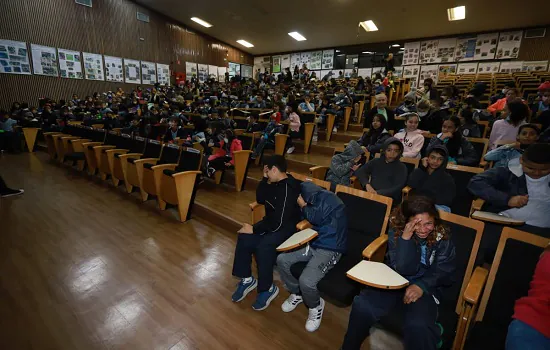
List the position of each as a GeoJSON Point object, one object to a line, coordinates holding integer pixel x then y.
{"type": "Point", "coordinates": [203, 72]}
{"type": "Point", "coordinates": [398, 72]}
{"type": "Point", "coordinates": [411, 53]}
{"type": "Point", "coordinates": [276, 61]}
{"type": "Point", "coordinates": [305, 58]}
{"type": "Point", "coordinates": [148, 73]}
{"type": "Point", "coordinates": [246, 71]}
{"type": "Point", "coordinates": [44, 60]}
{"type": "Point", "coordinates": [536, 66]}
{"type": "Point", "coordinates": [465, 49]}
{"type": "Point", "coordinates": [412, 73]}
{"type": "Point", "coordinates": [328, 59]}
{"type": "Point", "coordinates": [263, 63]}
{"type": "Point", "coordinates": [510, 67]}
{"type": "Point", "coordinates": [212, 72]}
{"type": "Point", "coordinates": [488, 67]}
{"type": "Point", "coordinates": [285, 62]}
{"type": "Point", "coordinates": [163, 73]}
{"type": "Point", "coordinates": [446, 69]}
{"type": "Point", "coordinates": [294, 61]}
{"type": "Point", "coordinates": [508, 44]}
{"type": "Point", "coordinates": [428, 52]}
{"type": "Point", "coordinates": [221, 73]}
{"type": "Point", "coordinates": [14, 57]}
{"type": "Point", "coordinates": [70, 64]}
{"type": "Point", "coordinates": [233, 69]}
{"type": "Point", "coordinates": [316, 60]}
{"type": "Point", "coordinates": [191, 71]}
{"type": "Point", "coordinates": [113, 69]}
{"type": "Point", "coordinates": [364, 72]}
{"type": "Point", "coordinates": [467, 68]}
{"type": "Point", "coordinates": [93, 66]}
{"type": "Point", "coordinates": [428, 71]}
{"type": "Point", "coordinates": [446, 50]}
{"type": "Point", "coordinates": [486, 46]}
{"type": "Point", "coordinates": [132, 71]}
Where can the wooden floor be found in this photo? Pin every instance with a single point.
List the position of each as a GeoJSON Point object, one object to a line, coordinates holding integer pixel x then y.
{"type": "Point", "coordinates": [86, 266]}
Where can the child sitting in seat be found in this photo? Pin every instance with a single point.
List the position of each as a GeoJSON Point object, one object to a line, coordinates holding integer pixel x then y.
{"type": "Point", "coordinates": [224, 156]}
{"type": "Point", "coordinates": [468, 126]}
{"type": "Point", "coordinates": [411, 138]}
{"type": "Point", "coordinates": [460, 150]}
{"type": "Point", "coordinates": [419, 249]}
{"type": "Point", "coordinates": [527, 135]}
{"type": "Point", "coordinates": [326, 212]}
{"type": "Point", "coordinates": [344, 164]}
{"type": "Point", "coordinates": [268, 137]}
{"type": "Point", "coordinates": [374, 139]}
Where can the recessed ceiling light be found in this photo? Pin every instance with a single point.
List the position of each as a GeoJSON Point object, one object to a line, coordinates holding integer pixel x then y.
{"type": "Point", "coordinates": [245, 43]}
{"type": "Point", "coordinates": [395, 45]}
{"type": "Point", "coordinates": [368, 26]}
{"type": "Point", "coordinates": [368, 52]}
{"type": "Point", "coordinates": [297, 36]}
{"type": "Point", "coordinates": [337, 50]}
{"type": "Point", "coordinates": [201, 22]}
{"type": "Point", "coordinates": [341, 54]}
{"type": "Point", "coordinates": [456, 13]}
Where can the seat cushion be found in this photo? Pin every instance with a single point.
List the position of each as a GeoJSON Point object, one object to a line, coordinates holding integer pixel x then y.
{"type": "Point", "coordinates": [75, 156]}
{"type": "Point", "coordinates": [131, 160]}
{"type": "Point", "coordinates": [117, 155]}
{"type": "Point", "coordinates": [148, 165]}
{"type": "Point", "coordinates": [169, 172]}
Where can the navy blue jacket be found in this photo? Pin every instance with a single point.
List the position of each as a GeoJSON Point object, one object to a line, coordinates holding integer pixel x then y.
{"type": "Point", "coordinates": [327, 213]}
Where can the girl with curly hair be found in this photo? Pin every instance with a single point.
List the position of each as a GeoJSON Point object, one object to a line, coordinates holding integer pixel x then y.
{"type": "Point", "coordinates": [420, 249]}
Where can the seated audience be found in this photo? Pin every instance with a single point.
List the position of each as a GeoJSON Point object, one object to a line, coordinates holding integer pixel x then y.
{"type": "Point", "coordinates": [515, 112]}
{"type": "Point", "coordinates": [344, 164]}
{"type": "Point", "coordinates": [427, 92]}
{"type": "Point", "coordinates": [327, 213]}
{"type": "Point", "coordinates": [511, 94]}
{"type": "Point", "coordinates": [420, 250]}
{"type": "Point", "coordinates": [294, 126]}
{"type": "Point", "coordinates": [431, 118]}
{"type": "Point", "coordinates": [543, 105]}
{"type": "Point", "coordinates": [386, 175]}
{"type": "Point", "coordinates": [279, 193]}
{"type": "Point", "coordinates": [224, 156]}
{"type": "Point", "coordinates": [376, 136]}
{"type": "Point", "coordinates": [307, 105]}
{"type": "Point", "coordinates": [530, 327]}
{"type": "Point", "coordinates": [527, 135]}
{"type": "Point", "coordinates": [408, 105]}
{"type": "Point", "coordinates": [411, 137]}
{"type": "Point", "coordinates": [460, 150]}
{"type": "Point", "coordinates": [432, 180]}
{"type": "Point", "coordinates": [380, 107]}
{"type": "Point", "coordinates": [174, 132]}
{"type": "Point", "coordinates": [502, 94]}
{"type": "Point", "coordinates": [253, 124]}
{"type": "Point", "coordinates": [543, 119]}
{"type": "Point", "coordinates": [268, 137]}
{"type": "Point", "coordinates": [521, 190]}
{"type": "Point", "coordinates": [468, 126]}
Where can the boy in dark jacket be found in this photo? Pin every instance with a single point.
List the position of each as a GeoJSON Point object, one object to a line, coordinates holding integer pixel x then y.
{"type": "Point", "coordinates": [326, 212]}
{"type": "Point", "coordinates": [432, 180]}
{"type": "Point", "coordinates": [279, 193]}
{"type": "Point", "coordinates": [385, 175]}
{"type": "Point", "coordinates": [459, 149]}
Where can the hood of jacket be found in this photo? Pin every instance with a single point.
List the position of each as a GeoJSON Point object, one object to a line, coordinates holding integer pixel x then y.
{"type": "Point", "coordinates": [309, 190]}
{"type": "Point", "coordinates": [445, 158]}
{"type": "Point", "coordinates": [352, 151]}
{"type": "Point", "coordinates": [389, 141]}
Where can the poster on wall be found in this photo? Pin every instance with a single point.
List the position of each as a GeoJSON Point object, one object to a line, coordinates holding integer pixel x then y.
{"type": "Point", "coordinates": [510, 67]}
{"type": "Point", "coordinates": [446, 69]}
{"type": "Point", "coordinates": [508, 44]}
{"type": "Point", "coordinates": [410, 55]}
{"type": "Point", "coordinates": [488, 67]}
{"type": "Point", "coordinates": [364, 72]}
{"type": "Point", "coordinates": [203, 72]}
{"type": "Point", "coordinates": [446, 50]}
{"type": "Point", "coordinates": [148, 73]}
{"type": "Point", "coordinates": [534, 66]}
{"type": "Point", "coordinates": [14, 57]}
{"type": "Point", "coordinates": [411, 72]}
{"type": "Point", "coordinates": [465, 49]}
{"type": "Point", "coordinates": [428, 71]}
{"type": "Point", "coordinates": [132, 71]}
{"type": "Point", "coordinates": [70, 64]}
{"type": "Point", "coordinates": [246, 71]}
{"type": "Point", "coordinates": [294, 61]}
{"type": "Point", "coordinates": [428, 52]}
{"type": "Point", "coordinates": [212, 72]}
{"type": "Point", "coordinates": [234, 68]}
{"type": "Point", "coordinates": [285, 62]}
{"type": "Point", "coordinates": [316, 60]}
{"type": "Point", "coordinates": [113, 69]}
{"type": "Point", "coordinates": [44, 60]}
{"type": "Point", "coordinates": [328, 59]}
{"type": "Point", "coordinates": [191, 70]}
{"type": "Point", "coordinates": [93, 66]}
{"type": "Point", "coordinates": [163, 73]}
{"type": "Point", "coordinates": [398, 72]}
{"type": "Point", "coordinates": [467, 68]}
{"type": "Point", "coordinates": [305, 59]}
{"type": "Point", "coordinates": [276, 64]}
{"type": "Point", "coordinates": [221, 73]}
{"type": "Point", "coordinates": [486, 46]}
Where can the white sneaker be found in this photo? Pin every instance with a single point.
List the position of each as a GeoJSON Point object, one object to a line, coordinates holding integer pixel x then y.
{"type": "Point", "coordinates": [290, 150]}
{"type": "Point", "coordinates": [334, 130]}
{"type": "Point", "coordinates": [315, 138]}
{"type": "Point", "coordinates": [291, 302]}
{"type": "Point", "coordinates": [315, 316]}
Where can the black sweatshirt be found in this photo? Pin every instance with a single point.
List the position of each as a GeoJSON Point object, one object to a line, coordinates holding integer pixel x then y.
{"type": "Point", "coordinates": [282, 212]}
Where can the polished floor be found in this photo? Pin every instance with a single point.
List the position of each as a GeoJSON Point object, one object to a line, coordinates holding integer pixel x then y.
{"type": "Point", "coordinates": [86, 266]}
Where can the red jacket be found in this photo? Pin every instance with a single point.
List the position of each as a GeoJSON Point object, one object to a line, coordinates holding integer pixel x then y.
{"type": "Point", "coordinates": [534, 309]}
{"type": "Point", "coordinates": [236, 145]}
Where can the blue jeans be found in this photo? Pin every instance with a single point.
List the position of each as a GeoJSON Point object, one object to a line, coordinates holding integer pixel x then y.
{"type": "Point", "coordinates": [521, 336]}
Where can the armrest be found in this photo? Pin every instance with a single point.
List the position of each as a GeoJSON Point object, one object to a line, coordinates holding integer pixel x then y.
{"type": "Point", "coordinates": [147, 160]}
{"type": "Point", "coordinates": [318, 172]}
{"type": "Point", "coordinates": [76, 141]}
{"type": "Point", "coordinates": [87, 144]}
{"type": "Point", "coordinates": [117, 150]}
{"type": "Point", "coordinates": [176, 175]}
{"type": "Point", "coordinates": [302, 225]}
{"type": "Point", "coordinates": [104, 147]}
{"type": "Point", "coordinates": [377, 249]}
{"type": "Point", "coordinates": [69, 138]}
{"type": "Point", "coordinates": [405, 192]}
{"type": "Point", "coordinates": [258, 212]}
{"type": "Point", "coordinates": [477, 205]}
{"type": "Point", "coordinates": [475, 286]}
{"type": "Point", "coordinates": [483, 164]}
{"type": "Point", "coordinates": [164, 166]}
{"type": "Point", "coordinates": [255, 205]}
{"type": "Point", "coordinates": [355, 183]}
{"type": "Point", "coordinates": [129, 155]}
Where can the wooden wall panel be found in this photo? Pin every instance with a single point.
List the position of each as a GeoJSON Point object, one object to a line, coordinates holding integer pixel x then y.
{"type": "Point", "coordinates": [110, 28]}
{"type": "Point", "coordinates": [535, 49]}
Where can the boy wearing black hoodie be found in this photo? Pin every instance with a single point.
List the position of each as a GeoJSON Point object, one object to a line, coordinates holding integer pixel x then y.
{"type": "Point", "coordinates": [385, 175]}
{"type": "Point", "coordinates": [431, 179]}
{"type": "Point", "coordinates": [279, 193]}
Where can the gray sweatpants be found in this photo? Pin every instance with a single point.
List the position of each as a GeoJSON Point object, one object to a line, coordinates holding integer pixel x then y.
{"type": "Point", "coordinates": [320, 261]}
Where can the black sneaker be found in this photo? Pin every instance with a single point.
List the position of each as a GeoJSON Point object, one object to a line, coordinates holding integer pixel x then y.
{"type": "Point", "coordinates": [9, 192]}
